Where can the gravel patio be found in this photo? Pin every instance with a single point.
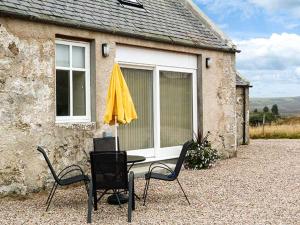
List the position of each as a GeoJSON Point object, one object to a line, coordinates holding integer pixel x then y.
{"type": "Point", "coordinates": [260, 186]}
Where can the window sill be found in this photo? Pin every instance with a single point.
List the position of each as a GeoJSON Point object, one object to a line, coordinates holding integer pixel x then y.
{"type": "Point", "coordinates": [77, 125]}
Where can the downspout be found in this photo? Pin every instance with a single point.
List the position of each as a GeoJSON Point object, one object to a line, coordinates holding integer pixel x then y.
{"type": "Point", "coordinates": [244, 116]}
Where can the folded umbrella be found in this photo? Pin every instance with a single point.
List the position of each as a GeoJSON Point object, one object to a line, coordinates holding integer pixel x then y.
{"type": "Point", "coordinates": [119, 106]}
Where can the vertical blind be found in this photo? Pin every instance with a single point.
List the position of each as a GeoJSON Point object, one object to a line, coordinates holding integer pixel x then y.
{"type": "Point", "coordinates": [176, 108]}
{"type": "Point", "coordinates": [139, 133]}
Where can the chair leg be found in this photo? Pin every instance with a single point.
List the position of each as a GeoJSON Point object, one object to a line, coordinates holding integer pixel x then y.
{"type": "Point", "coordinates": [50, 199]}
{"type": "Point", "coordinates": [95, 201]}
{"type": "Point", "coordinates": [117, 196]}
{"type": "Point", "coordinates": [86, 187]}
{"type": "Point", "coordinates": [102, 194]}
{"type": "Point", "coordinates": [50, 193]}
{"type": "Point", "coordinates": [183, 192]}
{"type": "Point", "coordinates": [146, 191]}
{"type": "Point", "coordinates": [90, 203]}
{"type": "Point", "coordinates": [131, 196]}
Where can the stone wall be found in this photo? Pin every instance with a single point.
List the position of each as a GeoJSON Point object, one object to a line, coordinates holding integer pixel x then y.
{"type": "Point", "coordinates": [27, 98]}
{"type": "Point", "coordinates": [218, 102]}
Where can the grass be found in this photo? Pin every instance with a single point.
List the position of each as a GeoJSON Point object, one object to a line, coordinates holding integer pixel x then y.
{"type": "Point", "coordinates": [288, 128]}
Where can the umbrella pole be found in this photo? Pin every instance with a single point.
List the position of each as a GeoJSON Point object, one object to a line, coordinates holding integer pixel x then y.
{"type": "Point", "coordinates": [116, 133]}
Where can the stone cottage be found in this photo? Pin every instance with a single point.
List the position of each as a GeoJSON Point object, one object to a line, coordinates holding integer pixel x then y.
{"type": "Point", "coordinates": [55, 62]}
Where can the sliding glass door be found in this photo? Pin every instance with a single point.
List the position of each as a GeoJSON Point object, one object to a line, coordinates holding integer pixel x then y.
{"type": "Point", "coordinates": [165, 101]}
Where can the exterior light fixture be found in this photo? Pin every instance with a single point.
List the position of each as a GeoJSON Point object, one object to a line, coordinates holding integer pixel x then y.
{"type": "Point", "coordinates": [208, 62]}
{"type": "Point", "coordinates": [105, 49]}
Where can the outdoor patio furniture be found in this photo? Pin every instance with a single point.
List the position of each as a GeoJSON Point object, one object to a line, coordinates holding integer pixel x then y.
{"type": "Point", "coordinates": [63, 178]}
{"type": "Point", "coordinates": [133, 159]}
{"type": "Point", "coordinates": [170, 176]}
{"type": "Point", "coordinates": [109, 172]}
{"type": "Point", "coordinates": [105, 144]}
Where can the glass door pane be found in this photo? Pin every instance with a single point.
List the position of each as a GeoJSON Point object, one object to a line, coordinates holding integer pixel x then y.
{"type": "Point", "coordinates": [62, 93]}
{"type": "Point", "coordinates": [176, 108]}
{"type": "Point", "coordinates": [139, 133]}
{"type": "Point", "coordinates": [79, 97]}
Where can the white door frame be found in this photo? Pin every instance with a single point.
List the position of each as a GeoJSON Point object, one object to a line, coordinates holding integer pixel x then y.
{"type": "Point", "coordinates": [174, 151]}
{"type": "Point", "coordinates": [159, 60]}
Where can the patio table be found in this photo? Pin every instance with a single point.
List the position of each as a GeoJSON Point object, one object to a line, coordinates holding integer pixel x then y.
{"type": "Point", "coordinates": [131, 159]}
{"type": "Point", "coordinates": [134, 159]}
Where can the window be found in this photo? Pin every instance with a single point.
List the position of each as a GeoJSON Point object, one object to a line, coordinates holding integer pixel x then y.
{"type": "Point", "coordinates": [139, 133]}
{"type": "Point", "coordinates": [135, 3]}
{"type": "Point", "coordinates": [72, 81]}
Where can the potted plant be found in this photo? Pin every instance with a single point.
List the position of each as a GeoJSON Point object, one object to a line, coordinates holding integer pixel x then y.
{"type": "Point", "coordinates": [201, 154]}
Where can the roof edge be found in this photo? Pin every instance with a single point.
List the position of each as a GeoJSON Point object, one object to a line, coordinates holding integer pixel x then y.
{"type": "Point", "coordinates": [150, 37]}
{"type": "Point", "coordinates": [246, 83]}
{"type": "Point", "coordinates": [210, 24]}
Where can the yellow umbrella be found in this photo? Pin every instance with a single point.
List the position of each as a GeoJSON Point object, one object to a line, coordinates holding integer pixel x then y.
{"type": "Point", "coordinates": [119, 105]}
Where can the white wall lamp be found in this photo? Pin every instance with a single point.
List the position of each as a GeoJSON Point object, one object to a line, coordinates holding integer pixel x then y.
{"type": "Point", "coordinates": [105, 50]}
{"type": "Point", "coordinates": [208, 62]}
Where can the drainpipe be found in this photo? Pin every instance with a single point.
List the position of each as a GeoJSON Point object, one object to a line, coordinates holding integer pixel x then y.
{"type": "Point", "coordinates": [244, 116]}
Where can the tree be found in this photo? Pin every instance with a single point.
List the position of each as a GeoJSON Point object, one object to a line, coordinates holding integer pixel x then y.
{"type": "Point", "coordinates": [255, 111]}
{"type": "Point", "coordinates": [266, 109]}
{"type": "Point", "coordinates": [274, 110]}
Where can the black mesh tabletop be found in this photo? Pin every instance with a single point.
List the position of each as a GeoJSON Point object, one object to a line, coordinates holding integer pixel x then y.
{"type": "Point", "coordinates": [135, 158]}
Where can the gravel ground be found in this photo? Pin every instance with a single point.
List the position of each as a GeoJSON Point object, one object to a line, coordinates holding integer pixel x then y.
{"type": "Point", "coordinates": [260, 186]}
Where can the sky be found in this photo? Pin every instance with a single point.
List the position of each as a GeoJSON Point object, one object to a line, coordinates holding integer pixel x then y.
{"type": "Point", "coordinates": [268, 34]}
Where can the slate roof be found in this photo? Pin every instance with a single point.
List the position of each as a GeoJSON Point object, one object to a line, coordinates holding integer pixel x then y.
{"type": "Point", "coordinates": [241, 81]}
{"type": "Point", "coordinates": [162, 20]}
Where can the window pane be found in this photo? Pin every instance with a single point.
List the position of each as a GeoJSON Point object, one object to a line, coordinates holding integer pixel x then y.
{"type": "Point", "coordinates": [62, 55]}
{"type": "Point", "coordinates": [79, 93]}
{"type": "Point", "coordinates": [62, 93]}
{"type": "Point", "coordinates": [139, 133]}
{"type": "Point", "coordinates": [78, 57]}
{"type": "Point", "coordinates": [175, 108]}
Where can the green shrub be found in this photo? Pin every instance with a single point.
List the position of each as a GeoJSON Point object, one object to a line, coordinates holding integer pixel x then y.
{"type": "Point", "coordinates": [201, 154]}
{"type": "Point", "coordinates": [257, 118]}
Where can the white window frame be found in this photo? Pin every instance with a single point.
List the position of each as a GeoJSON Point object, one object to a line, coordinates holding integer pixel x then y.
{"type": "Point", "coordinates": [72, 118]}
{"type": "Point", "coordinates": [158, 153]}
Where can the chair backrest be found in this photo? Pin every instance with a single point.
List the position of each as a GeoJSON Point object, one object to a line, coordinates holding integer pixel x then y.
{"type": "Point", "coordinates": [105, 144]}
{"type": "Point", "coordinates": [41, 150]}
{"type": "Point", "coordinates": [181, 158]}
{"type": "Point", "coordinates": [109, 170]}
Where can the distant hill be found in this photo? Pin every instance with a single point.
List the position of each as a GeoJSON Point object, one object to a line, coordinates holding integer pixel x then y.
{"type": "Point", "coordinates": [289, 106]}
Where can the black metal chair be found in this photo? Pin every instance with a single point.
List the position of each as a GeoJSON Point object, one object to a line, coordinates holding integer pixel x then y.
{"type": "Point", "coordinates": [170, 176]}
{"type": "Point", "coordinates": [109, 172]}
{"type": "Point", "coordinates": [105, 144]}
{"type": "Point", "coordinates": [109, 144]}
{"type": "Point", "coordinates": [62, 179]}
